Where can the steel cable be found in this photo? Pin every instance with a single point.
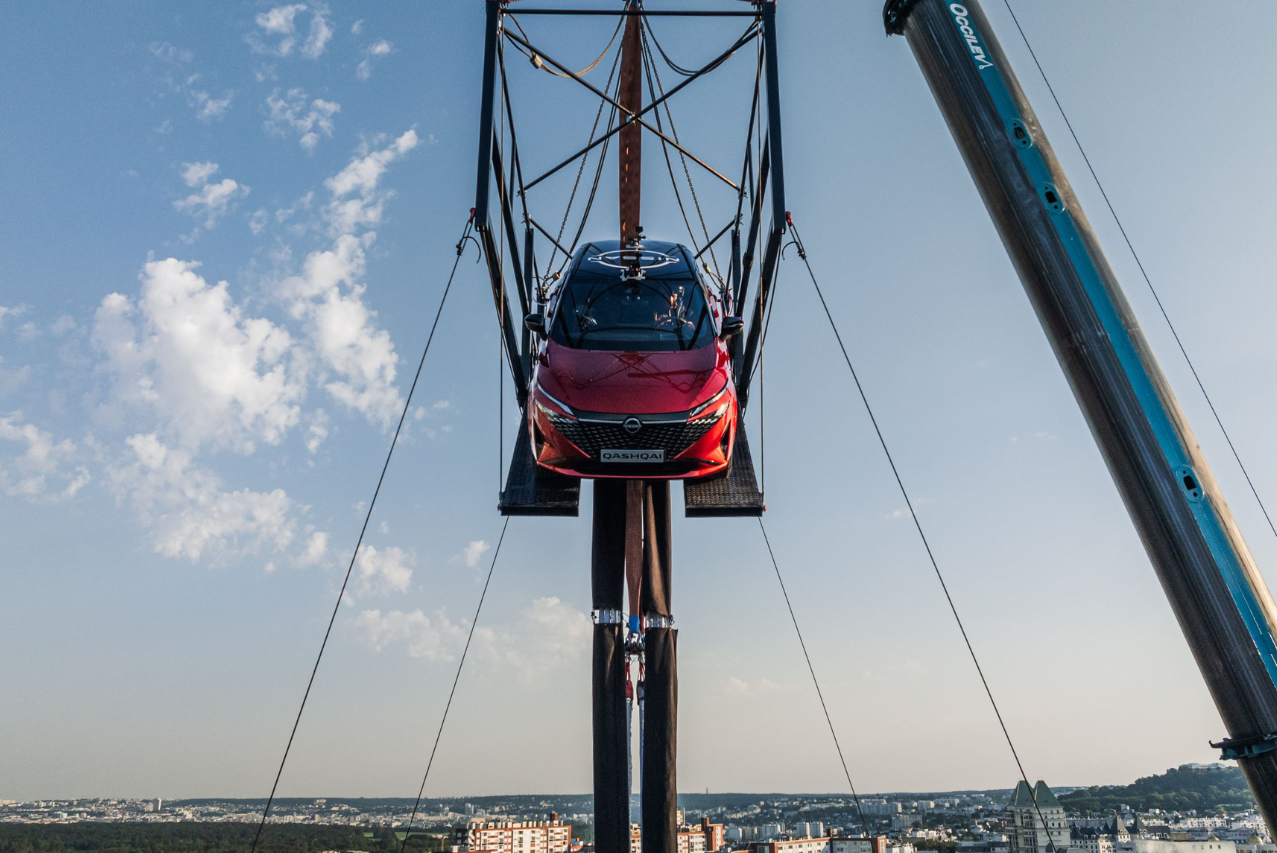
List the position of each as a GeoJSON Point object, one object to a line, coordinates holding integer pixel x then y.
{"type": "Point", "coordinates": [1156, 298]}
{"type": "Point", "coordinates": [536, 60]}
{"type": "Point", "coordinates": [926, 544]}
{"type": "Point", "coordinates": [465, 235]}
{"type": "Point", "coordinates": [863, 823]}
{"type": "Point", "coordinates": [456, 678]}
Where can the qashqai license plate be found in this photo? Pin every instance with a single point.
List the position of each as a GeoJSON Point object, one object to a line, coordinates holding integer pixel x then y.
{"type": "Point", "coordinates": [648, 456]}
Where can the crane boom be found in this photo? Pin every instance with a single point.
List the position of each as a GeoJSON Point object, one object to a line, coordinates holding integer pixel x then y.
{"type": "Point", "coordinates": [1222, 603]}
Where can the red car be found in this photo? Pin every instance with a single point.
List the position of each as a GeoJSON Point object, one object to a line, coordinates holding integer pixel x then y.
{"type": "Point", "coordinates": [633, 377]}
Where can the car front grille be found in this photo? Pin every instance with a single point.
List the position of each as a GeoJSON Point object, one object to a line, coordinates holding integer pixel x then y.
{"type": "Point", "coordinates": [673, 437]}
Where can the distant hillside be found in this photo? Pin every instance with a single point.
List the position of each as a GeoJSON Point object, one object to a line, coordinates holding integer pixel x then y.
{"type": "Point", "coordinates": [1205, 790]}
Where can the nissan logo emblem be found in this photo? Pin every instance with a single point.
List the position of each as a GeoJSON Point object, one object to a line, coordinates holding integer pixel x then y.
{"type": "Point", "coordinates": [632, 425]}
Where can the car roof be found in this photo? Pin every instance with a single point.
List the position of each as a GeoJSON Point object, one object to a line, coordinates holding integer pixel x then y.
{"type": "Point", "coordinates": [659, 258]}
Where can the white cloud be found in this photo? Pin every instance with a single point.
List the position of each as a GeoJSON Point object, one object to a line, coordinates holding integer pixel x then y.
{"type": "Point", "coordinates": [185, 350]}
{"type": "Point", "coordinates": [377, 49]}
{"type": "Point", "coordinates": [44, 469]}
{"type": "Point", "coordinates": [279, 21]}
{"type": "Point", "coordinates": [15, 311]}
{"type": "Point", "coordinates": [197, 174]}
{"type": "Point", "coordinates": [357, 202]}
{"type": "Point", "coordinates": [383, 571]}
{"type": "Point", "coordinates": [293, 112]}
{"type": "Point", "coordinates": [320, 34]}
{"type": "Point", "coordinates": [317, 430]}
{"type": "Point", "coordinates": [328, 294]}
{"type": "Point", "coordinates": [437, 640]}
{"type": "Point", "coordinates": [546, 634]}
{"type": "Point", "coordinates": [212, 201]}
{"type": "Point", "coordinates": [257, 221]}
{"type": "Point", "coordinates": [315, 550]}
{"type": "Point", "coordinates": [12, 378]}
{"type": "Point", "coordinates": [278, 34]}
{"type": "Point", "coordinates": [473, 552]}
{"type": "Point", "coordinates": [188, 512]}
{"type": "Point", "coordinates": [208, 107]}
{"type": "Point", "coordinates": [169, 53]}
{"type": "Point", "coordinates": [754, 687]}
{"type": "Point", "coordinates": [357, 27]}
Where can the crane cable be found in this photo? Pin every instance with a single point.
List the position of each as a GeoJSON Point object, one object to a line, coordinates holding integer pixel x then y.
{"type": "Point", "coordinates": [1143, 272]}
{"type": "Point", "coordinates": [683, 158]}
{"type": "Point", "coordinates": [539, 63]}
{"type": "Point", "coordinates": [953, 608]}
{"type": "Point", "coordinates": [859, 811]}
{"type": "Point", "coordinates": [465, 236]}
{"type": "Point", "coordinates": [567, 212]}
{"type": "Point", "coordinates": [460, 665]}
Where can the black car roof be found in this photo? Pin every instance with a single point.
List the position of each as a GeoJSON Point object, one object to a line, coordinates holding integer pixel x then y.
{"type": "Point", "coordinates": [666, 259]}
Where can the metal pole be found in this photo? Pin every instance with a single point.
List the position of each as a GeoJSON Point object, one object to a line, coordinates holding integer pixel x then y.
{"type": "Point", "coordinates": [660, 682]}
{"type": "Point", "coordinates": [611, 745]}
{"type": "Point", "coordinates": [1222, 603]}
{"type": "Point", "coordinates": [630, 97]}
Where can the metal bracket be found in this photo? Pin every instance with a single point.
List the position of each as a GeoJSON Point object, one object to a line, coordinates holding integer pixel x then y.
{"type": "Point", "coordinates": [1232, 749]}
{"type": "Point", "coordinates": [655, 620]}
{"type": "Point", "coordinates": [894, 14]}
{"type": "Point", "coordinates": [608, 617]}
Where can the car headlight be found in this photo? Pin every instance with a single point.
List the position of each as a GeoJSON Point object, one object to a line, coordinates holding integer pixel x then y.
{"type": "Point", "coordinates": [708, 404]}
{"type": "Point", "coordinates": [550, 413]}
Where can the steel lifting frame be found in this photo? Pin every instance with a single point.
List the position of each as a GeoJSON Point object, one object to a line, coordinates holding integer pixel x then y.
{"type": "Point", "coordinates": [510, 184]}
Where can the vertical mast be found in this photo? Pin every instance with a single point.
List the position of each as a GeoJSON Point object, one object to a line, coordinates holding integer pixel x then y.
{"type": "Point", "coordinates": [631, 136]}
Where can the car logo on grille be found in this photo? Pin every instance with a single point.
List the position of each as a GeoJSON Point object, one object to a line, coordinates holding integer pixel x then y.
{"type": "Point", "coordinates": [632, 425]}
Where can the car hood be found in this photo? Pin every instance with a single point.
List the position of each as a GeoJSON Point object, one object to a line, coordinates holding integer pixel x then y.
{"type": "Point", "coordinates": [636, 383]}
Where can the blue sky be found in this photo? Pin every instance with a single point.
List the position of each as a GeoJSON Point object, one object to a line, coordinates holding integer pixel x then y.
{"type": "Point", "coordinates": [225, 231]}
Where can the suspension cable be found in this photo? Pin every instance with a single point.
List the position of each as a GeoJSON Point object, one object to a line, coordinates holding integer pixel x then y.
{"type": "Point", "coordinates": [669, 164]}
{"type": "Point", "coordinates": [863, 823]}
{"type": "Point", "coordinates": [465, 235]}
{"type": "Point", "coordinates": [1143, 272]}
{"type": "Point", "coordinates": [460, 665]}
{"type": "Point", "coordinates": [675, 67]}
{"type": "Point", "coordinates": [953, 608]}
{"type": "Point", "coordinates": [683, 158]}
{"type": "Point", "coordinates": [535, 59]}
{"type": "Point", "coordinates": [567, 212]}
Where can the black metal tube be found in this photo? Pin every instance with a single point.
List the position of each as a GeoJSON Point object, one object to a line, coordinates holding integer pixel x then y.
{"type": "Point", "coordinates": [496, 276]}
{"type": "Point", "coordinates": [773, 114]}
{"type": "Point", "coordinates": [660, 736]}
{"type": "Point", "coordinates": [660, 697]}
{"type": "Point", "coordinates": [1223, 605]}
{"type": "Point", "coordinates": [507, 219]}
{"type": "Point", "coordinates": [486, 109]}
{"type": "Point", "coordinates": [611, 745]}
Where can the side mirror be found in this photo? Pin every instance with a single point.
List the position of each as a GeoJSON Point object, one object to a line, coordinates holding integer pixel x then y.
{"type": "Point", "coordinates": [732, 326]}
{"type": "Point", "coordinates": [535, 323]}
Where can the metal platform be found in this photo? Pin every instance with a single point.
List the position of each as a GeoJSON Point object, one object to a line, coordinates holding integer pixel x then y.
{"type": "Point", "coordinates": [531, 490]}
{"type": "Point", "coordinates": [732, 495]}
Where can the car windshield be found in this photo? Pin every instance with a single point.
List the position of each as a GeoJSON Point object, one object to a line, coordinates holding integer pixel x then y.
{"type": "Point", "coordinates": [600, 311]}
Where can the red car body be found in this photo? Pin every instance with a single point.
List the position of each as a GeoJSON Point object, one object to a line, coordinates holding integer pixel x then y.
{"type": "Point", "coordinates": [665, 408]}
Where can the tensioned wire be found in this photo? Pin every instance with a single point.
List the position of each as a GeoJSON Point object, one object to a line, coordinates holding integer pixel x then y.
{"type": "Point", "coordinates": [819, 693]}
{"type": "Point", "coordinates": [926, 544]}
{"type": "Point", "coordinates": [465, 235]}
{"type": "Point", "coordinates": [453, 692]}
